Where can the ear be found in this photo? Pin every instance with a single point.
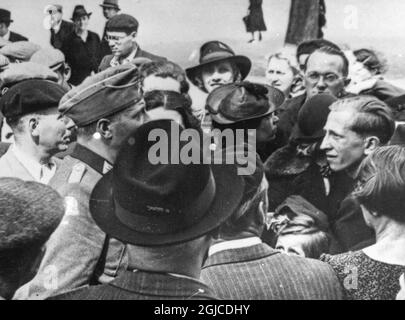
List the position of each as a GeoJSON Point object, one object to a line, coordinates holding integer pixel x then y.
{"type": "Point", "coordinates": [67, 73]}
{"type": "Point", "coordinates": [347, 81]}
{"type": "Point", "coordinates": [370, 144]}
{"type": "Point", "coordinates": [33, 126]}
{"type": "Point", "coordinates": [103, 129]}
{"type": "Point", "coordinates": [133, 35]}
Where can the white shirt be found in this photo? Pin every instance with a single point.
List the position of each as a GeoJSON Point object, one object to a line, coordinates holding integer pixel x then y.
{"type": "Point", "coordinates": [56, 28]}
{"type": "Point", "coordinates": [234, 244]}
{"type": "Point", "coordinates": [7, 36]}
{"type": "Point", "coordinates": [116, 61]}
{"type": "Point", "coordinates": [42, 173]}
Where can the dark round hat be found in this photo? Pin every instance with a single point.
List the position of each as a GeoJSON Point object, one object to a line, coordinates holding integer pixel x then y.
{"type": "Point", "coordinates": [312, 118]}
{"type": "Point", "coordinates": [79, 11]}
{"type": "Point", "coordinates": [148, 202]}
{"type": "Point", "coordinates": [5, 16]}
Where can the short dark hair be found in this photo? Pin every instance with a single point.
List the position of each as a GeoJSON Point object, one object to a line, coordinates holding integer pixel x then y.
{"type": "Point", "coordinates": [381, 182]}
{"type": "Point", "coordinates": [333, 52]}
{"type": "Point", "coordinates": [308, 47]}
{"type": "Point", "coordinates": [373, 117]}
{"type": "Point", "coordinates": [370, 60]}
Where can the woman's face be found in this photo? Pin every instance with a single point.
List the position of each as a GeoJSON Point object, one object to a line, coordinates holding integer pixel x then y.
{"type": "Point", "coordinates": [217, 74]}
{"type": "Point", "coordinates": [280, 75]}
{"type": "Point", "coordinates": [293, 244]}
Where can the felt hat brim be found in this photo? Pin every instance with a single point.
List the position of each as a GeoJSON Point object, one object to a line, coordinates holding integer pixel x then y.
{"type": "Point", "coordinates": [243, 63]}
{"type": "Point", "coordinates": [81, 15]}
{"type": "Point", "coordinates": [102, 209]}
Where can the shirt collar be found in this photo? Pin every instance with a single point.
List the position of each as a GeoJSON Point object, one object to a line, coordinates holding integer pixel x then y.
{"type": "Point", "coordinates": [234, 244]}
{"type": "Point", "coordinates": [7, 36]}
{"type": "Point", "coordinates": [33, 166]}
{"type": "Point", "coordinates": [57, 27]}
{"type": "Point", "coordinates": [116, 61]}
{"type": "Point", "coordinates": [91, 158]}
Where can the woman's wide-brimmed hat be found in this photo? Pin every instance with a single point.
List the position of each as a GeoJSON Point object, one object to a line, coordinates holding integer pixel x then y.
{"type": "Point", "coordinates": [216, 51]}
{"type": "Point", "coordinates": [79, 11]}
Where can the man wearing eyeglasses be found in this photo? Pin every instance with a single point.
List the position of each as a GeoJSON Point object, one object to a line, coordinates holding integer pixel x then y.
{"type": "Point", "coordinates": [121, 35]}
{"type": "Point", "coordinates": [326, 71]}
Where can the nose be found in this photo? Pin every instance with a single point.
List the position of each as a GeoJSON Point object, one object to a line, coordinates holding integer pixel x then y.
{"type": "Point", "coordinates": [321, 83]}
{"type": "Point", "coordinates": [325, 143]}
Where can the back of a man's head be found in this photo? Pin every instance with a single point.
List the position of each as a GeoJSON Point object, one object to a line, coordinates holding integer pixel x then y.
{"type": "Point", "coordinates": [29, 213]}
{"type": "Point", "coordinates": [371, 117]}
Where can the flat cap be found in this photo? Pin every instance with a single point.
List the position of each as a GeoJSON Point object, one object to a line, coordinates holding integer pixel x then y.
{"type": "Point", "coordinates": [122, 23]}
{"type": "Point", "coordinates": [20, 50]}
{"type": "Point", "coordinates": [49, 57]}
{"type": "Point", "coordinates": [103, 95]}
{"type": "Point", "coordinates": [31, 96]}
{"type": "Point", "coordinates": [239, 102]}
{"type": "Point", "coordinates": [17, 72]}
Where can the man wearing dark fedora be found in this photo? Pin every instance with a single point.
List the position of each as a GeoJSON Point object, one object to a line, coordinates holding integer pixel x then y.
{"type": "Point", "coordinates": [82, 47]}
{"type": "Point", "coordinates": [110, 9]}
{"type": "Point", "coordinates": [60, 29]}
{"type": "Point", "coordinates": [105, 108]}
{"type": "Point", "coordinates": [218, 65]}
{"type": "Point", "coordinates": [169, 213]}
{"type": "Point", "coordinates": [246, 106]}
{"type": "Point", "coordinates": [121, 35]}
{"type": "Point", "coordinates": [5, 33]}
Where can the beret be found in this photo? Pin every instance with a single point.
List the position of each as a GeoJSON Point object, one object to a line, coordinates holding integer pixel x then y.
{"type": "Point", "coordinates": [21, 50]}
{"type": "Point", "coordinates": [102, 95]}
{"type": "Point", "coordinates": [49, 57]}
{"type": "Point", "coordinates": [122, 23]}
{"type": "Point", "coordinates": [29, 213]}
{"type": "Point", "coordinates": [239, 102]}
{"type": "Point", "coordinates": [17, 72]}
{"type": "Point", "coordinates": [30, 96]}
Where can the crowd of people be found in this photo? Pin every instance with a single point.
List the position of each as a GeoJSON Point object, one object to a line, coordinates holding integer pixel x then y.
{"type": "Point", "coordinates": [87, 214]}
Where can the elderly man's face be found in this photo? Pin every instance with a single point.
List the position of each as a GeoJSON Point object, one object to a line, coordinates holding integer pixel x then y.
{"type": "Point", "coordinates": [51, 131]}
{"type": "Point", "coordinates": [344, 148]}
{"type": "Point", "coordinates": [121, 44]}
{"type": "Point", "coordinates": [217, 74]}
{"type": "Point", "coordinates": [324, 74]}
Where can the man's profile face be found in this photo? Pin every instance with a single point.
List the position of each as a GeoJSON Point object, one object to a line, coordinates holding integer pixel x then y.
{"type": "Point", "coordinates": [267, 129]}
{"type": "Point", "coordinates": [324, 74]}
{"type": "Point", "coordinates": [56, 17]}
{"type": "Point", "coordinates": [52, 132]}
{"type": "Point", "coordinates": [109, 12]}
{"type": "Point", "coordinates": [217, 74]}
{"type": "Point", "coordinates": [344, 148]}
{"type": "Point", "coordinates": [121, 44]}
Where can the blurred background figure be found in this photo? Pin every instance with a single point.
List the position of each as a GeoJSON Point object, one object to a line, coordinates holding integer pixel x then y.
{"type": "Point", "coordinates": [60, 29]}
{"type": "Point", "coordinates": [29, 213]}
{"type": "Point", "coordinates": [254, 20]}
{"type": "Point", "coordinates": [283, 73]}
{"type": "Point", "coordinates": [5, 33]}
{"type": "Point", "coordinates": [366, 75]}
{"type": "Point", "coordinates": [82, 47]}
{"type": "Point", "coordinates": [301, 228]}
{"type": "Point", "coordinates": [380, 192]}
{"type": "Point", "coordinates": [110, 9]}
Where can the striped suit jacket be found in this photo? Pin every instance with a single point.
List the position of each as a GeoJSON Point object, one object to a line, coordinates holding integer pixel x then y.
{"type": "Point", "coordinates": [262, 273]}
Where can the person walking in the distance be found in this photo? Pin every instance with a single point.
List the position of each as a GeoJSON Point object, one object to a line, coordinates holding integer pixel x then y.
{"type": "Point", "coordinates": [110, 9]}
{"type": "Point", "coordinates": [254, 21]}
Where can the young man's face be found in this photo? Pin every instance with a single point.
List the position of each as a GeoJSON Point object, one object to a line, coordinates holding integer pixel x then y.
{"type": "Point", "coordinates": [109, 12]}
{"type": "Point", "coordinates": [344, 148]}
{"type": "Point", "coordinates": [121, 44]}
{"type": "Point", "coordinates": [217, 74]}
{"type": "Point", "coordinates": [324, 74]}
{"type": "Point", "coordinates": [3, 29]}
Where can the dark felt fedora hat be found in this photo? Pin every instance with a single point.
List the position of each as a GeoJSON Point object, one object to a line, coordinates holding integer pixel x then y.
{"type": "Point", "coordinates": [243, 101]}
{"type": "Point", "coordinates": [148, 204]}
{"type": "Point", "coordinates": [312, 118]}
{"type": "Point", "coordinates": [110, 4]}
{"type": "Point", "coordinates": [5, 16]}
{"type": "Point", "coordinates": [216, 51]}
{"type": "Point", "coordinates": [79, 11]}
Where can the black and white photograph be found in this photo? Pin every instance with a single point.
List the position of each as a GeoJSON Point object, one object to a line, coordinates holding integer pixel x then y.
{"type": "Point", "coordinates": [237, 150]}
